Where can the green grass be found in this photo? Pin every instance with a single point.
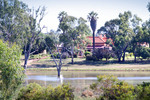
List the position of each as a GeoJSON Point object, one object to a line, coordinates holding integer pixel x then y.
{"type": "Point", "coordinates": [80, 64]}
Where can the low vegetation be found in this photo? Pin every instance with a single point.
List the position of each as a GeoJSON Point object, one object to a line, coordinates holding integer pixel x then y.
{"type": "Point", "coordinates": [106, 88]}
{"type": "Point", "coordinates": [110, 88]}
{"type": "Point", "coordinates": [99, 54]}
{"type": "Point", "coordinates": [34, 91]}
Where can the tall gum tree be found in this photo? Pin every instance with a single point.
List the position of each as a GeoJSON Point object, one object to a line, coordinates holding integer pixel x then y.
{"type": "Point", "coordinates": [12, 16]}
{"type": "Point", "coordinates": [74, 31]}
{"type": "Point", "coordinates": [33, 30]}
{"type": "Point", "coordinates": [20, 24]}
{"type": "Point", "coordinates": [120, 33]}
{"type": "Point", "coordinates": [137, 34]}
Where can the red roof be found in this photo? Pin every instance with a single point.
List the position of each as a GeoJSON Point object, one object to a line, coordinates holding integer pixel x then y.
{"type": "Point", "coordinates": [97, 39]}
{"type": "Point", "coordinates": [100, 42]}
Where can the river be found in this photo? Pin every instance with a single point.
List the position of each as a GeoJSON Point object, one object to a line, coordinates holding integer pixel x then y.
{"type": "Point", "coordinates": [84, 78]}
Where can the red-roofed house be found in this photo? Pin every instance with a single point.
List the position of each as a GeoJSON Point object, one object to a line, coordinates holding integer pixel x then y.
{"type": "Point", "coordinates": [100, 42]}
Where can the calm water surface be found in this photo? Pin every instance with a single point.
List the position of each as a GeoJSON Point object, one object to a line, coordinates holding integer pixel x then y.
{"type": "Point", "coordinates": [84, 78]}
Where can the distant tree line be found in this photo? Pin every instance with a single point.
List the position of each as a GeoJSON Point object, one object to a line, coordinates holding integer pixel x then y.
{"type": "Point", "coordinates": [128, 34]}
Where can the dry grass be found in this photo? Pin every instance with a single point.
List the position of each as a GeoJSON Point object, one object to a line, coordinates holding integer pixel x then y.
{"type": "Point", "coordinates": [81, 65]}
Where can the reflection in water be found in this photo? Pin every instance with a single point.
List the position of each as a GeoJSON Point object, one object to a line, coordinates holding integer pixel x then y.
{"type": "Point", "coordinates": [82, 78]}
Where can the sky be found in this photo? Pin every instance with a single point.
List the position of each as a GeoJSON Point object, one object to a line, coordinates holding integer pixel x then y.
{"type": "Point", "coordinates": [106, 9]}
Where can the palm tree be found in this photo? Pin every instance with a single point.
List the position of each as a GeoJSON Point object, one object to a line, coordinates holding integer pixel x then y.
{"type": "Point", "coordinates": [92, 17]}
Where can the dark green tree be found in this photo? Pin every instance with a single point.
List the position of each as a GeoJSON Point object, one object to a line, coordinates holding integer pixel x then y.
{"type": "Point", "coordinates": [120, 33]}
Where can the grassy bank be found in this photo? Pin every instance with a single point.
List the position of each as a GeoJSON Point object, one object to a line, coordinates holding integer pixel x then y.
{"type": "Point", "coordinates": [80, 64]}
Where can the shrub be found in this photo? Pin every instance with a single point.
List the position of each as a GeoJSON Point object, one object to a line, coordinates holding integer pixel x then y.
{"type": "Point", "coordinates": [34, 91]}
{"type": "Point", "coordinates": [119, 91]}
{"type": "Point", "coordinates": [75, 55]}
{"type": "Point", "coordinates": [97, 53]}
{"type": "Point", "coordinates": [143, 91]}
{"type": "Point", "coordinates": [100, 53]}
{"type": "Point", "coordinates": [87, 53]}
{"type": "Point", "coordinates": [11, 72]}
{"type": "Point", "coordinates": [56, 55]}
{"type": "Point", "coordinates": [65, 55]}
{"type": "Point", "coordinates": [63, 92]}
{"type": "Point", "coordinates": [88, 57]}
{"type": "Point", "coordinates": [37, 56]}
{"type": "Point", "coordinates": [143, 52]}
{"type": "Point", "coordinates": [130, 54]}
{"type": "Point", "coordinates": [110, 88]}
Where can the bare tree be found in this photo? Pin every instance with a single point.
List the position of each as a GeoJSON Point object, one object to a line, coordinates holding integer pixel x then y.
{"type": "Point", "coordinates": [57, 63]}
{"type": "Point", "coordinates": [33, 30]}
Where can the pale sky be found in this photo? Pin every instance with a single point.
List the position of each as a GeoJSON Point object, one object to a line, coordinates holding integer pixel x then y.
{"type": "Point", "coordinates": [106, 9]}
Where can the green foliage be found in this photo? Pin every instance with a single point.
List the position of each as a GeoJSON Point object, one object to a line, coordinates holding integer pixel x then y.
{"type": "Point", "coordinates": [143, 91]}
{"type": "Point", "coordinates": [74, 32]}
{"type": "Point", "coordinates": [110, 88]}
{"type": "Point", "coordinates": [50, 41]}
{"type": "Point", "coordinates": [89, 57]}
{"type": "Point", "coordinates": [39, 45]}
{"type": "Point", "coordinates": [119, 91]}
{"type": "Point", "coordinates": [75, 55]}
{"type": "Point", "coordinates": [10, 70]}
{"type": "Point", "coordinates": [37, 56]}
{"type": "Point", "coordinates": [65, 55]}
{"type": "Point", "coordinates": [87, 53]}
{"type": "Point", "coordinates": [120, 32]}
{"type": "Point", "coordinates": [34, 91]}
{"type": "Point", "coordinates": [56, 55]}
{"type": "Point", "coordinates": [13, 14]}
{"type": "Point", "coordinates": [63, 92]}
{"type": "Point", "coordinates": [143, 52]}
{"type": "Point", "coordinates": [99, 54]}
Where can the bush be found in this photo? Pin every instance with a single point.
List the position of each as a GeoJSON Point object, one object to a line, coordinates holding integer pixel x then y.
{"type": "Point", "coordinates": [130, 54]}
{"type": "Point", "coordinates": [143, 91]}
{"type": "Point", "coordinates": [97, 53]}
{"type": "Point", "coordinates": [75, 55]}
{"type": "Point", "coordinates": [119, 91]}
{"type": "Point", "coordinates": [100, 53]}
{"type": "Point", "coordinates": [56, 55]}
{"type": "Point", "coordinates": [143, 52]}
{"type": "Point", "coordinates": [11, 72]}
{"type": "Point", "coordinates": [63, 92]}
{"type": "Point", "coordinates": [65, 55]}
{"type": "Point", "coordinates": [34, 91]}
{"type": "Point", "coordinates": [110, 88]}
{"type": "Point", "coordinates": [87, 53]}
{"type": "Point", "coordinates": [89, 57]}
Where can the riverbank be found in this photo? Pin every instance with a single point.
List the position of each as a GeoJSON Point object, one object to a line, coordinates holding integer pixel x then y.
{"type": "Point", "coordinates": [80, 64]}
{"type": "Point", "coordinates": [85, 69]}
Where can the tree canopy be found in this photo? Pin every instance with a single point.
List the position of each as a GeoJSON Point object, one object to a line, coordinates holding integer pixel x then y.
{"type": "Point", "coordinates": [11, 71]}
